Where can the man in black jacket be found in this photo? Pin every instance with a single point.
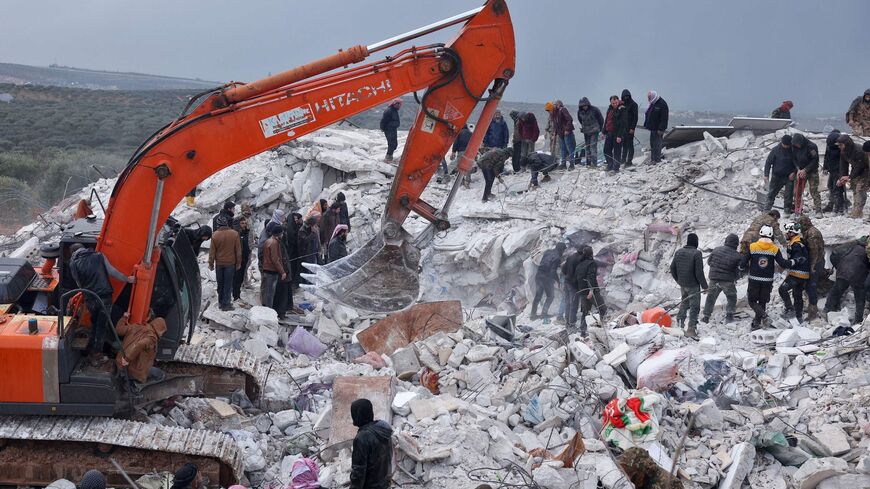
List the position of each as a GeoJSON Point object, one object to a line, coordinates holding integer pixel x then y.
{"type": "Point", "coordinates": [854, 171]}
{"type": "Point", "coordinates": [228, 211]}
{"type": "Point", "coordinates": [546, 278]}
{"type": "Point", "coordinates": [724, 263]}
{"type": "Point", "coordinates": [850, 261]}
{"type": "Point", "coordinates": [240, 225]}
{"type": "Point", "coordinates": [459, 146]}
{"type": "Point", "coordinates": [630, 124]}
{"type": "Point", "coordinates": [591, 123]}
{"type": "Point", "coordinates": [806, 159]}
{"type": "Point", "coordinates": [372, 455]}
{"type": "Point", "coordinates": [585, 279]}
{"type": "Point", "coordinates": [291, 240]}
{"type": "Point", "coordinates": [779, 173]}
{"type": "Point", "coordinates": [615, 131]}
{"type": "Point", "coordinates": [836, 194]}
{"type": "Point", "coordinates": [687, 268]}
{"type": "Point", "coordinates": [390, 126]}
{"type": "Point", "coordinates": [656, 122]}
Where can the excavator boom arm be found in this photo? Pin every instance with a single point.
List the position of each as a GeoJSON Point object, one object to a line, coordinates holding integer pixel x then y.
{"type": "Point", "coordinates": [241, 120]}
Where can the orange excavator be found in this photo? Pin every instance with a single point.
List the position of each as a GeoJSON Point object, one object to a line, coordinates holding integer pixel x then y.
{"type": "Point", "coordinates": [59, 413]}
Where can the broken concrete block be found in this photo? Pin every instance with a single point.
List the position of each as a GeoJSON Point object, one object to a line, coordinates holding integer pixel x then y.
{"type": "Point", "coordinates": [267, 334]}
{"type": "Point", "coordinates": [766, 336]}
{"type": "Point", "coordinates": [257, 348]}
{"type": "Point", "coordinates": [548, 477]}
{"type": "Point", "coordinates": [743, 459]}
{"type": "Point", "coordinates": [432, 407]}
{"type": "Point", "coordinates": [582, 353]}
{"type": "Point", "coordinates": [708, 415]}
{"type": "Point", "coordinates": [834, 439]}
{"type": "Point", "coordinates": [259, 316]}
{"type": "Point", "coordinates": [283, 419]}
{"type": "Point", "coordinates": [617, 355]}
{"type": "Point", "coordinates": [481, 353]}
{"type": "Point", "coordinates": [458, 355]}
{"type": "Point", "coordinates": [222, 409]}
{"type": "Point", "coordinates": [400, 403]}
{"type": "Point", "coordinates": [815, 470]}
{"type": "Point", "coordinates": [419, 322]}
{"type": "Point", "coordinates": [328, 331]}
{"type": "Point", "coordinates": [848, 481]}
{"type": "Point", "coordinates": [405, 362]}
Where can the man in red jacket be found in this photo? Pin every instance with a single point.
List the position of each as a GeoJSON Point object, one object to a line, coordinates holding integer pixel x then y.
{"type": "Point", "coordinates": [565, 131]}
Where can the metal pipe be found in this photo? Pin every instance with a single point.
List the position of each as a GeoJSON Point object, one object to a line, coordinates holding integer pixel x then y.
{"type": "Point", "coordinates": [422, 31]}
{"type": "Point", "coordinates": [152, 226]}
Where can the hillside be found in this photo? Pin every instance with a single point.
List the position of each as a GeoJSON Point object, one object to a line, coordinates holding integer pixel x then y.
{"type": "Point", "coordinates": [65, 76]}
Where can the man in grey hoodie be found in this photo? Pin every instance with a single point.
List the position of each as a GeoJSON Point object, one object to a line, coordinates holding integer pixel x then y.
{"type": "Point", "coordinates": [687, 268]}
{"type": "Point", "coordinates": [724, 263]}
{"type": "Point", "coordinates": [591, 124]}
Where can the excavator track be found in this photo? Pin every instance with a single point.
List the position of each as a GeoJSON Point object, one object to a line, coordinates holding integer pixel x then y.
{"type": "Point", "coordinates": [66, 447]}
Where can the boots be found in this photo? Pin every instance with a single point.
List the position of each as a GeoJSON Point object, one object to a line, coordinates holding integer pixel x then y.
{"type": "Point", "coordinates": [691, 332]}
{"type": "Point", "coordinates": [729, 318]}
{"type": "Point", "coordinates": [812, 312]}
{"type": "Point", "coordinates": [829, 207]}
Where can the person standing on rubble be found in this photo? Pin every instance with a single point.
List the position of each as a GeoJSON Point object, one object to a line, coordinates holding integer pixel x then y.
{"type": "Point", "coordinates": [815, 244]}
{"type": "Point", "coordinates": [855, 172]}
{"type": "Point", "coordinates": [517, 155]}
{"type": "Point", "coordinates": [783, 111]}
{"type": "Point", "coordinates": [798, 274]}
{"type": "Point", "coordinates": [631, 116]}
{"type": "Point", "coordinates": [564, 126]}
{"type": "Point", "coordinates": [343, 212]}
{"type": "Point", "coordinates": [372, 452]}
{"type": "Point", "coordinates": [546, 278]}
{"type": "Point", "coordinates": [338, 244]}
{"type": "Point", "coordinates": [528, 132]}
{"type": "Point", "coordinates": [273, 266]}
{"type": "Point", "coordinates": [328, 221]}
{"type": "Point", "coordinates": [550, 131]}
{"type": "Point", "coordinates": [831, 166]}
{"type": "Point", "coordinates": [225, 258]}
{"type": "Point", "coordinates": [760, 260]}
{"type": "Point", "coordinates": [769, 218]}
{"type": "Point", "coordinates": [656, 122]}
{"type": "Point", "coordinates": [779, 173]}
{"type": "Point", "coordinates": [585, 281]}
{"type": "Point", "coordinates": [291, 240]}
{"type": "Point", "coordinates": [309, 242]}
{"type": "Point", "coordinates": [497, 134]}
{"type": "Point", "coordinates": [591, 124]}
{"type": "Point", "coordinates": [390, 127]}
{"type": "Point", "coordinates": [277, 219]}
{"type": "Point", "coordinates": [491, 165]}
{"type": "Point", "coordinates": [687, 269]}
{"type": "Point", "coordinates": [851, 263]}
{"type": "Point", "coordinates": [240, 225]}
{"type": "Point", "coordinates": [228, 211]}
{"type": "Point", "coordinates": [614, 132]}
{"type": "Point", "coordinates": [724, 263]}
{"type": "Point", "coordinates": [858, 115]}
{"type": "Point", "coordinates": [806, 159]}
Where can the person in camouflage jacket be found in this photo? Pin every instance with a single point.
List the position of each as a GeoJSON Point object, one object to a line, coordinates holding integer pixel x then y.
{"type": "Point", "coordinates": [815, 244]}
{"type": "Point", "coordinates": [770, 218]}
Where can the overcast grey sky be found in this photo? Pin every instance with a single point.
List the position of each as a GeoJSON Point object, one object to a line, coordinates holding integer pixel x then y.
{"type": "Point", "coordinates": [735, 55]}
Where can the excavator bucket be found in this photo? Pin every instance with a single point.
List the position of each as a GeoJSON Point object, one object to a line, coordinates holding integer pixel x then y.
{"type": "Point", "coordinates": [380, 277]}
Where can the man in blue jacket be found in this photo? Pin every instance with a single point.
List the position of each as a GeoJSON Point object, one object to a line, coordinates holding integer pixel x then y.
{"type": "Point", "coordinates": [390, 126]}
{"type": "Point", "coordinates": [497, 134]}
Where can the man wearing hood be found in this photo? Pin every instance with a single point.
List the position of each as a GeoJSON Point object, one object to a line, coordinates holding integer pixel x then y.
{"type": "Point", "coordinates": [565, 131]}
{"type": "Point", "coordinates": [783, 111]}
{"type": "Point", "coordinates": [615, 130]}
{"type": "Point", "coordinates": [337, 244]}
{"type": "Point", "coordinates": [197, 237]}
{"type": "Point", "coordinates": [656, 122]}
{"type": "Point", "coordinates": [851, 263]}
{"type": "Point", "coordinates": [372, 455]}
{"type": "Point", "coordinates": [527, 132]}
{"type": "Point", "coordinates": [630, 123]}
{"type": "Point", "coordinates": [140, 347]}
{"type": "Point", "coordinates": [390, 127]}
{"type": "Point", "coordinates": [546, 278]}
{"type": "Point", "coordinates": [806, 159]}
{"type": "Point", "coordinates": [291, 240]}
{"type": "Point", "coordinates": [687, 269]}
{"type": "Point", "coordinates": [779, 173]}
{"type": "Point", "coordinates": [228, 211]}
{"type": "Point", "coordinates": [854, 171]}
{"type": "Point", "coordinates": [815, 244]}
{"type": "Point", "coordinates": [309, 243]}
{"type": "Point", "coordinates": [591, 123]}
{"type": "Point", "coordinates": [858, 115]}
{"type": "Point", "coordinates": [831, 166]}
{"type": "Point", "coordinates": [724, 263]}
{"type": "Point", "coordinates": [587, 291]}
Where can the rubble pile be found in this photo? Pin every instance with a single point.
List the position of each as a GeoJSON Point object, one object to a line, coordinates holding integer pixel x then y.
{"type": "Point", "coordinates": [478, 392]}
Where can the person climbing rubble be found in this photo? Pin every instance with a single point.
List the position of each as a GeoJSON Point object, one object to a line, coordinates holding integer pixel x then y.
{"type": "Point", "coordinates": [546, 278]}
{"type": "Point", "coordinates": [390, 127]}
{"type": "Point", "coordinates": [372, 453]}
{"type": "Point", "coordinates": [273, 266]}
{"type": "Point", "coordinates": [798, 274]}
{"type": "Point", "coordinates": [540, 163]}
{"type": "Point", "coordinates": [724, 263]}
{"type": "Point", "coordinates": [225, 258]}
{"type": "Point", "coordinates": [806, 159]}
{"type": "Point", "coordinates": [656, 122]}
{"type": "Point", "coordinates": [783, 111]}
{"type": "Point", "coordinates": [246, 237]}
{"type": "Point", "coordinates": [687, 269]}
{"type": "Point", "coordinates": [769, 218]}
{"type": "Point", "coordinates": [631, 111]}
{"type": "Point", "coordinates": [337, 244]}
{"type": "Point", "coordinates": [815, 244]}
{"type": "Point", "coordinates": [491, 164]}
{"type": "Point", "coordinates": [855, 172]}
{"type": "Point", "coordinates": [831, 166]}
{"type": "Point", "coordinates": [140, 347]}
{"type": "Point", "coordinates": [851, 264]}
{"type": "Point", "coordinates": [550, 131]}
{"type": "Point", "coordinates": [186, 477]}
{"type": "Point", "coordinates": [591, 124]}
{"type": "Point", "coordinates": [779, 173]}
{"type": "Point", "coordinates": [615, 130]}
{"type": "Point", "coordinates": [228, 211]}
{"type": "Point", "coordinates": [564, 127]}
{"type": "Point", "coordinates": [760, 260]}
{"type": "Point", "coordinates": [858, 115]}
{"type": "Point", "coordinates": [497, 134]}
{"type": "Point", "coordinates": [581, 279]}
{"type": "Point", "coordinates": [93, 479]}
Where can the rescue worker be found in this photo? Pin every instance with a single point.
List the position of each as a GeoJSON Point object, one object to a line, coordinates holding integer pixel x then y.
{"type": "Point", "coordinates": [656, 122]}
{"type": "Point", "coordinates": [687, 269]}
{"type": "Point", "coordinates": [724, 263]}
{"type": "Point", "coordinates": [630, 125]}
{"type": "Point", "coordinates": [517, 144]}
{"type": "Point", "coordinates": [491, 165]}
{"type": "Point", "coordinates": [769, 218]}
{"type": "Point", "coordinates": [528, 133]}
{"type": "Point", "coordinates": [570, 293]}
{"type": "Point", "coordinates": [140, 347]}
{"type": "Point", "coordinates": [851, 263]}
{"type": "Point", "coordinates": [585, 280]}
{"type": "Point", "coordinates": [854, 171]}
{"type": "Point", "coordinates": [836, 194]}
{"type": "Point", "coordinates": [338, 244]}
{"type": "Point", "coordinates": [540, 162]}
{"type": "Point", "coordinates": [197, 237]}
{"type": "Point", "coordinates": [798, 274]}
{"type": "Point", "coordinates": [372, 452]}
{"type": "Point", "coordinates": [225, 258]}
{"type": "Point", "coordinates": [779, 174]}
{"type": "Point", "coordinates": [760, 260]}
{"type": "Point", "coordinates": [858, 115]}
{"type": "Point", "coordinates": [806, 159]}
{"type": "Point", "coordinates": [783, 111]}
{"type": "Point", "coordinates": [228, 211]}
{"type": "Point", "coordinates": [546, 278]}
{"type": "Point", "coordinates": [815, 244]}
{"type": "Point", "coordinates": [186, 477]}
{"type": "Point", "coordinates": [91, 271]}
{"type": "Point", "coordinates": [591, 124]}
{"type": "Point", "coordinates": [246, 238]}
{"type": "Point", "coordinates": [497, 134]}
{"type": "Point", "coordinates": [273, 266]}
{"type": "Point", "coordinates": [614, 132]}
{"type": "Point", "coordinates": [565, 130]}
{"type": "Point", "coordinates": [390, 127]}
{"type": "Point", "coordinates": [550, 130]}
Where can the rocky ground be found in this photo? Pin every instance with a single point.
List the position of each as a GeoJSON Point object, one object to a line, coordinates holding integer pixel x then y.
{"type": "Point", "coordinates": [784, 407]}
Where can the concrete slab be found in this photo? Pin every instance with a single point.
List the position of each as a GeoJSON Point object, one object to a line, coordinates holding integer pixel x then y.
{"type": "Point", "coordinates": [420, 321]}
{"type": "Point", "coordinates": [345, 390]}
{"type": "Point", "coordinates": [759, 125]}
{"type": "Point", "coordinates": [680, 135]}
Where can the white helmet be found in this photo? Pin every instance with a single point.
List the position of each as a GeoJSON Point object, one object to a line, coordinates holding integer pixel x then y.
{"type": "Point", "coordinates": [792, 228]}
{"type": "Point", "coordinates": [766, 232]}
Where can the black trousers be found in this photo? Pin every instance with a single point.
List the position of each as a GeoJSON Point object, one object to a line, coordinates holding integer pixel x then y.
{"type": "Point", "coordinates": [758, 295]}
{"type": "Point", "coordinates": [612, 152]}
{"type": "Point", "coordinates": [392, 141]}
{"type": "Point", "coordinates": [796, 286]}
{"type": "Point", "coordinates": [283, 300]}
{"type": "Point", "coordinates": [488, 179]}
{"type": "Point", "coordinates": [586, 305]}
{"type": "Point", "coordinates": [100, 312]}
{"type": "Point", "coordinates": [544, 286]}
{"type": "Point", "coordinates": [239, 276]}
{"type": "Point", "coordinates": [836, 294]}
{"type": "Point", "coordinates": [627, 150]}
{"type": "Point", "coordinates": [836, 195]}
